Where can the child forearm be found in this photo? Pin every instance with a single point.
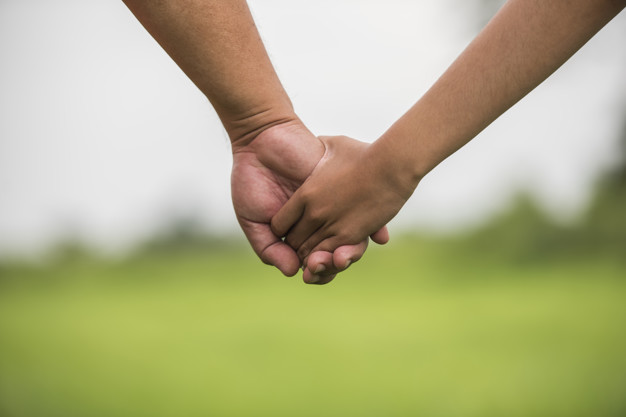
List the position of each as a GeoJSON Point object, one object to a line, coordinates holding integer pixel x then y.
{"type": "Point", "coordinates": [520, 47]}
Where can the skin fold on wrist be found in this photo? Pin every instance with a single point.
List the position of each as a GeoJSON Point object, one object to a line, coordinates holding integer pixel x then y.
{"type": "Point", "coordinates": [243, 130]}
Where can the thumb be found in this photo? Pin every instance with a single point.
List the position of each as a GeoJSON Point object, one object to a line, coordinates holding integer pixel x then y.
{"type": "Point", "coordinates": [288, 215]}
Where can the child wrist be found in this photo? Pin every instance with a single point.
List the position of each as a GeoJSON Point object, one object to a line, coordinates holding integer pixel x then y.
{"type": "Point", "coordinates": [395, 171]}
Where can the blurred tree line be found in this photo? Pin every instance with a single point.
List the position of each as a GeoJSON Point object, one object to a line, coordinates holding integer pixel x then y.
{"type": "Point", "coordinates": [526, 234]}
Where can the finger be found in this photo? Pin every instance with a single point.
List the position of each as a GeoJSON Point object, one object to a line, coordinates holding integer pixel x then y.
{"type": "Point", "coordinates": [326, 263]}
{"type": "Point", "coordinates": [322, 266]}
{"type": "Point", "coordinates": [318, 268]}
{"type": "Point", "coordinates": [270, 248]}
{"type": "Point", "coordinates": [283, 257]}
{"type": "Point", "coordinates": [310, 278]}
{"type": "Point", "coordinates": [288, 215]}
{"type": "Point", "coordinates": [319, 241]}
{"type": "Point", "coordinates": [344, 256]}
{"type": "Point", "coordinates": [381, 237]}
{"type": "Point", "coordinates": [302, 231]}
{"type": "Point", "coordinates": [320, 262]}
{"type": "Point", "coordinates": [342, 253]}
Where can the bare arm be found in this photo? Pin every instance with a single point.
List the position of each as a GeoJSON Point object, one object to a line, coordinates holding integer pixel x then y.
{"type": "Point", "coordinates": [356, 189]}
{"type": "Point", "coordinates": [216, 43]}
{"type": "Point", "coordinates": [523, 45]}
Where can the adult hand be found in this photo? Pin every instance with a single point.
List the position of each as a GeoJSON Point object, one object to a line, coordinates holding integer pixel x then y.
{"type": "Point", "coordinates": [266, 172]}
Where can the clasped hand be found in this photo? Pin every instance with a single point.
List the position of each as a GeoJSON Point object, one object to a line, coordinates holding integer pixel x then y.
{"type": "Point", "coordinates": [265, 174]}
{"type": "Point", "coordinates": [348, 197]}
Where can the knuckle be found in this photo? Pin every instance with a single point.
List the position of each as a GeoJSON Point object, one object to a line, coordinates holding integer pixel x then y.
{"type": "Point", "coordinates": [344, 238]}
{"type": "Point", "coordinates": [264, 258]}
{"type": "Point", "coordinates": [307, 194]}
{"type": "Point", "coordinates": [303, 251]}
{"type": "Point", "coordinates": [316, 215]}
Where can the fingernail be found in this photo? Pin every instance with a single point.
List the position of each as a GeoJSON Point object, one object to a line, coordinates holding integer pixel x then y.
{"type": "Point", "coordinates": [320, 268]}
{"type": "Point", "coordinates": [348, 263]}
{"type": "Point", "coordinates": [313, 279]}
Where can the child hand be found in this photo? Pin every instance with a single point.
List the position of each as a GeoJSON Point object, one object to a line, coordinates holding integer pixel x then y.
{"type": "Point", "coordinates": [351, 194]}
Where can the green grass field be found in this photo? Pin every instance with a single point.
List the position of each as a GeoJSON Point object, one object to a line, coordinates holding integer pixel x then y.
{"type": "Point", "coordinates": [411, 330]}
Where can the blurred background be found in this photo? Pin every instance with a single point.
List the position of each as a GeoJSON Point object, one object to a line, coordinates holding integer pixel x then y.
{"type": "Point", "coordinates": [127, 288]}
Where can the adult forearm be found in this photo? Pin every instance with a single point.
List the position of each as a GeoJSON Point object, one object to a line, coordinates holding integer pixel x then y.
{"type": "Point", "coordinates": [217, 45]}
{"type": "Point", "coordinates": [521, 46]}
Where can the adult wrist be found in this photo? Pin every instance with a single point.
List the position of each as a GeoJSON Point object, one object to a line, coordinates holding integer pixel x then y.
{"type": "Point", "coordinates": [243, 127]}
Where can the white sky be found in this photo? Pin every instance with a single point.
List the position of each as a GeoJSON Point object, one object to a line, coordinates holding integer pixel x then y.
{"type": "Point", "coordinates": [102, 136]}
